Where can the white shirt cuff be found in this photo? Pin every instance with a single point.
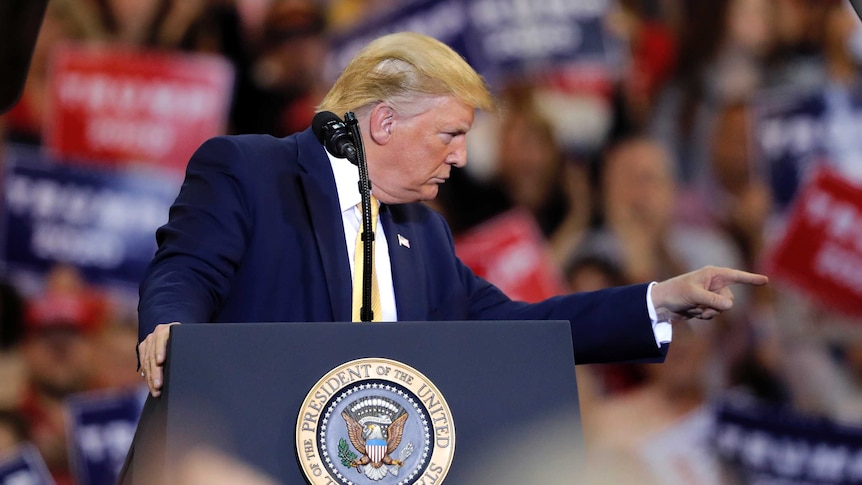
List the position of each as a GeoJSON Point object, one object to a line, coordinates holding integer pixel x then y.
{"type": "Point", "coordinates": [661, 328]}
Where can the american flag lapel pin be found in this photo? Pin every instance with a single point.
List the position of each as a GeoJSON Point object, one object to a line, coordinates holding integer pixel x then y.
{"type": "Point", "coordinates": [403, 241]}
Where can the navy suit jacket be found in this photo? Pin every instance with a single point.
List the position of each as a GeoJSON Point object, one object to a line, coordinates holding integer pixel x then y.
{"type": "Point", "coordinates": [256, 235]}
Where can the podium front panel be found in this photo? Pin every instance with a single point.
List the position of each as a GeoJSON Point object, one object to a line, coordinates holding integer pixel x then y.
{"type": "Point", "coordinates": [510, 386]}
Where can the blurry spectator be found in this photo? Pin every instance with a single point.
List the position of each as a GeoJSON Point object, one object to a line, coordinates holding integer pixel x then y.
{"type": "Point", "coordinates": [529, 161]}
{"type": "Point", "coordinates": [852, 355]}
{"type": "Point", "coordinates": [287, 73]}
{"type": "Point", "coordinates": [116, 361]}
{"type": "Point", "coordinates": [639, 227]}
{"type": "Point", "coordinates": [826, 373]}
{"type": "Point", "coordinates": [345, 14]}
{"type": "Point", "coordinates": [13, 431]}
{"type": "Point", "coordinates": [799, 354]}
{"type": "Point", "coordinates": [591, 273]}
{"type": "Point", "coordinates": [801, 27]}
{"type": "Point", "coordinates": [722, 49]}
{"type": "Point", "coordinates": [731, 195]}
{"type": "Point", "coordinates": [58, 353]}
{"type": "Point", "coordinates": [531, 172]}
{"type": "Point", "coordinates": [203, 26]}
{"type": "Point", "coordinates": [842, 29]}
{"type": "Point", "coordinates": [131, 22]}
{"type": "Point", "coordinates": [742, 202]}
{"type": "Point", "coordinates": [843, 88]}
{"type": "Point", "coordinates": [11, 333]}
{"type": "Point", "coordinates": [753, 348]}
{"type": "Point", "coordinates": [637, 193]}
{"type": "Point", "coordinates": [193, 25]}
{"type": "Point", "coordinates": [659, 432]}
{"type": "Point", "coordinates": [651, 57]}
{"type": "Point", "coordinates": [534, 173]}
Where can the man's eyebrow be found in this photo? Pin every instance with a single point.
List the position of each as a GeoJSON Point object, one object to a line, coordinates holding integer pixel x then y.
{"type": "Point", "coordinates": [457, 129]}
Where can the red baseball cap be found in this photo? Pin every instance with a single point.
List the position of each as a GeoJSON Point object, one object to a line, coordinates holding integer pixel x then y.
{"type": "Point", "coordinates": [76, 311]}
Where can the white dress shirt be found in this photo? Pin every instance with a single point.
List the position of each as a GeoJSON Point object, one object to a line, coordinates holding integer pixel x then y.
{"type": "Point", "coordinates": [347, 185]}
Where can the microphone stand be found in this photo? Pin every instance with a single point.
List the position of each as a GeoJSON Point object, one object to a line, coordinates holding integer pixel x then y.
{"type": "Point", "coordinates": [366, 314]}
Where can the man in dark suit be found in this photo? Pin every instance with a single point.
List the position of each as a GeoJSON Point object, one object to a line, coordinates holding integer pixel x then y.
{"type": "Point", "coordinates": [263, 228]}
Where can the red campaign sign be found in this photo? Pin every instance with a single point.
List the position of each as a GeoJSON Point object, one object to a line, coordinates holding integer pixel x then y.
{"type": "Point", "coordinates": [122, 105]}
{"type": "Point", "coordinates": [821, 251]}
{"type": "Point", "coordinates": [510, 252]}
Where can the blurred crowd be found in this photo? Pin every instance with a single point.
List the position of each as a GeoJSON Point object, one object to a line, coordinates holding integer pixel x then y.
{"type": "Point", "coordinates": [649, 176]}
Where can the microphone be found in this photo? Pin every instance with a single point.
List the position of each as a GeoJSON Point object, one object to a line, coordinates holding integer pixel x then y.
{"type": "Point", "coordinates": [333, 133]}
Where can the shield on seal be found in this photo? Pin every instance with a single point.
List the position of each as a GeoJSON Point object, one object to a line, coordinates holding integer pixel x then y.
{"type": "Point", "coordinates": [376, 450]}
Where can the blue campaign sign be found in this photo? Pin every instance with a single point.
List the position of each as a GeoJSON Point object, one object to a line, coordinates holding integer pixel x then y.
{"type": "Point", "coordinates": [497, 37]}
{"type": "Point", "coordinates": [790, 133]}
{"type": "Point", "coordinates": [771, 446]}
{"type": "Point", "coordinates": [24, 467]}
{"type": "Point", "coordinates": [795, 131]}
{"type": "Point", "coordinates": [102, 426]}
{"type": "Point", "coordinates": [523, 36]}
{"type": "Point", "coordinates": [101, 220]}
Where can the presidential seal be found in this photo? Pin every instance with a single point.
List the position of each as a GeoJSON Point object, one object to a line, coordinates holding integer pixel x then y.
{"type": "Point", "coordinates": [375, 422]}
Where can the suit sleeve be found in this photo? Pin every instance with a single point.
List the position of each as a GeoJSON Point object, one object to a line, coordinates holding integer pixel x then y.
{"type": "Point", "coordinates": [610, 325]}
{"type": "Point", "coordinates": [202, 243]}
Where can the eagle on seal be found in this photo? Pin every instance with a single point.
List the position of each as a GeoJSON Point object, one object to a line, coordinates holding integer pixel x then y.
{"type": "Point", "coordinates": [375, 440]}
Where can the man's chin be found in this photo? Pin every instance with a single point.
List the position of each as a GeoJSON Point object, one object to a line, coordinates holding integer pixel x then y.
{"type": "Point", "coordinates": [425, 193]}
{"type": "Point", "coordinates": [429, 192]}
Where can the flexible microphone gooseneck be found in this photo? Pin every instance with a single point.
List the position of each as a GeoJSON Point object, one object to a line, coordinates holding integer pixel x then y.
{"type": "Point", "coordinates": [344, 140]}
{"type": "Point", "coordinates": [366, 314]}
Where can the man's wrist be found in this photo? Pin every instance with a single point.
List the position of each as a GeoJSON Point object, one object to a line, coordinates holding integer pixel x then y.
{"type": "Point", "coordinates": [656, 302]}
{"type": "Point", "coordinates": [659, 318]}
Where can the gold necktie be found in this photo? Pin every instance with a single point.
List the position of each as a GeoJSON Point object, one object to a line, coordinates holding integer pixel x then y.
{"type": "Point", "coordinates": [358, 269]}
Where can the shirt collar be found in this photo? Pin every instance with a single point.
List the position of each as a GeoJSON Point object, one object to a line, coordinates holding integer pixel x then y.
{"type": "Point", "coordinates": [346, 182]}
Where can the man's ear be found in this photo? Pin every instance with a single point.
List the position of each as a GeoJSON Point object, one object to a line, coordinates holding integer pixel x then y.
{"type": "Point", "coordinates": [382, 121]}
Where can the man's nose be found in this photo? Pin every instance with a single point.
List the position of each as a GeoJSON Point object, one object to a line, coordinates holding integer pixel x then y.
{"type": "Point", "coordinates": [458, 157]}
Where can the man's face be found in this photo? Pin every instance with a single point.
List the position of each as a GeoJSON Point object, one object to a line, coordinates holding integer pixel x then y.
{"type": "Point", "coordinates": [59, 360]}
{"type": "Point", "coordinates": [421, 151]}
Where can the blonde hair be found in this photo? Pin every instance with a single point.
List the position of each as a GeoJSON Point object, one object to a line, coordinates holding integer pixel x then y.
{"type": "Point", "coordinates": [403, 69]}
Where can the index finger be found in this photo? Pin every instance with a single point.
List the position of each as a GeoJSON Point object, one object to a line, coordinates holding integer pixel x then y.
{"type": "Point", "coordinates": [161, 346]}
{"type": "Point", "coordinates": [744, 277]}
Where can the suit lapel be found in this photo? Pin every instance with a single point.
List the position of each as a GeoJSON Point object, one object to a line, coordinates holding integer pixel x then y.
{"type": "Point", "coordinates": [408, 270]}
{"type": "Point", "coordinates": [321, 199]}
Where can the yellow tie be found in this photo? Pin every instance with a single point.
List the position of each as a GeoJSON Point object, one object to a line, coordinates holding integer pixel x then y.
{"type": "Point", "coordinates": [358, 269]}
